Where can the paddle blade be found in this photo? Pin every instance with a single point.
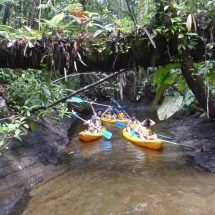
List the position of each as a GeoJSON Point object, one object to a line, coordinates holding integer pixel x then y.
{"type": "Point", "coordinates": [106, 134]}
{"type": "Point", "coordinates": [185, 146]}
{"type": "Point", "coordinates": [75, 99]}
{"type": "Point", "coordinates": [134, 133]}
{"type": "Point", "coordinates": [120, 124]}
{"type": "Point", "coordinates": [74, 114]}
{"type": "Point", "coordinates": [179, 144]}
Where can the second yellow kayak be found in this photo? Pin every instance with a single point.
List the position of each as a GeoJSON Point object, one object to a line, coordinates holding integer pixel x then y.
{"type": "Point", "coordinates": [114, 120]}
{"type": "Point", "coordinates": [152, 144]}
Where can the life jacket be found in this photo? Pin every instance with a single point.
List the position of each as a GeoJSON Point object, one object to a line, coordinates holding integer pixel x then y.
{"type": "Point", "coordinates": [120, 115]}
{"type": "Point", "coordinates": [99, 120]}
{"type": "Point", "coordinates": [92, 124]}
{"type": "Point", "coordinates": [109, 113]}
{"type": "Point", "coordinates": [134, 123]}
{"type": "Point", "coordinates": [146, 131]}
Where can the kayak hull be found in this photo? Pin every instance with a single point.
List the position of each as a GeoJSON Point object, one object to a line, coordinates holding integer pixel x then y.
{"type": "Point", "coordinates": [152, 144]}
{"type": "Point", "coordinates": [114, 120]}
{"type": "Point", "coordinates": [86, 137]}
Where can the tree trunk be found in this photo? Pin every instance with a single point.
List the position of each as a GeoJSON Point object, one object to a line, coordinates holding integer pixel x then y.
{"type": "Point", "coordinates": [6, 13]}
{"type": "Point", "coordinates": [196, 84]}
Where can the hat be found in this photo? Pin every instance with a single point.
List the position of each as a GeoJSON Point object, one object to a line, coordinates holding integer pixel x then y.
{"type": "Point", "coordinates": [94, 117]}
{"type": "Point", "coordinates": [133, 114]}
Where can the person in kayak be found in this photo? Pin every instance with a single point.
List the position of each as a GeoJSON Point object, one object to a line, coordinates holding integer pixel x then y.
{"type": "Point", "coordinates": [93, 125]}
{"type": "Point", "coordinates": [144, 130]}
{"type": "Point", "coordinates": [98, 114]}
{"type": "Point", "coordinates": [121, 115]}
{"type": "Point", "coordinates": [132, 123]}
{"type": "Point", "coordinates": [109, 114]}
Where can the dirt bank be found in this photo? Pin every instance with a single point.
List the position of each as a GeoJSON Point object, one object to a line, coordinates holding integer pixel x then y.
{"type": "Point", "coordinates": [200, 134]}
{"type": "Point", "coordinates": [24, 164]}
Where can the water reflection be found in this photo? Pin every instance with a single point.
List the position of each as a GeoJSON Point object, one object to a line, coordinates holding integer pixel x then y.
{"type": "Point", "coordinates": [106, 145]}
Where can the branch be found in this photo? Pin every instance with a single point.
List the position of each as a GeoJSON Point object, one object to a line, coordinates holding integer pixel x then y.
{"type": "Point", "coordinates": [150, 37]}
{"type": "Point", "coordinates": [86, 73]}
{"type": "Point", "coordinates": [82, 89]}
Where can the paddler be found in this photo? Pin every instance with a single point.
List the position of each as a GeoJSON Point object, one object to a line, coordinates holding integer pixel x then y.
{"type": "Point", "coordinates": [98, 114]}
{"type": "Point", "coordinates": [93, 125]}
{"type": "Point", "coordinates": [109, 114]}
{"type": "Point", "coordinates": [132, 123]}
{"type": "Point", "coordinates": [120, 114]}
{"type": "Point", "coordinates": [144, 130]}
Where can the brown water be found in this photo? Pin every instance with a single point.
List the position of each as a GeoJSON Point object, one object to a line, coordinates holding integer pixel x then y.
{"type": "Point", "coordinates": [117, 177]}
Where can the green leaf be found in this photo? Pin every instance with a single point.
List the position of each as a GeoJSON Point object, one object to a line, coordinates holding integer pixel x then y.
{"type": "Point", "coordinates": [46, 103]}
{"type": "Point", "coordinates": [109, 27]}
{"type": "Point", "coordinates": [75, 65]}
{"type": "Point", "coordinates": [18, 138]}
{"type": "Point", "coordinates": [46, 92]}
{"type": "Point", "coordinates": [28, 113]}
{"type": "Point", "coordinates": [191, 34]}
{"type": "Point", "coordinates": [32, 126]}
{"type": "Point", "coordinates": [57, 19]}
{"type": "Point", "coordinates": [97, 33]}
{"type": "Point", "coordinates": [99, 25]}
{"type": "Point", "coordinates": [170, 105]}
{"type": "Point", "coordinates": [166, 7]}
{"type": "Point", "coordinates": [1, 142]}
{"type": "Point", "coordinates": [159, 93]}
{"type": "Point", "coordinates": [189, 22]}
{"type": "Point", "coordinates": [180, 36]}
{"type": "Point", "coordinates": [26, 125]}
{"type": "Point", "coordinates": [65, 73]}
{"type": "Point", "coordinates": [17, 132]}
{"type": "Point", "coordinates": [82, 62]}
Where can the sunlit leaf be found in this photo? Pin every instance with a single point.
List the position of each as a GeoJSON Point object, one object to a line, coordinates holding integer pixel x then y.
{"type": "Point", "coordinates": [170, 105]}
{"type": "Point", "coordinates": [180, 36]}
{"type": "Point", "coordinates": [194, 23]}
{"type": "Point", "coordinates": [166, 7]}
{"type": "Point", "coordinates": [75, 66]}
{"type": "Point", "coordinates": [189, 22]}
{"type": "Point", "coordinates": [97, 33]}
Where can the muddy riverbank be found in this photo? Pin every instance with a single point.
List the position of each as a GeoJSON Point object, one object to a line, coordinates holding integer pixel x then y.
{"type": "Point", "coordinates": [25, 163]}
{"type": "Point", "coordinates": [200, 134]}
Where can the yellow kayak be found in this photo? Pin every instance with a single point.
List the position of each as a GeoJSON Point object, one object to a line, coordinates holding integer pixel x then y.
{"type": "Point", "coordinates": [86, 137]}
{"type": "Point", "coordinates": [152, 144]}
{"type": "Point", "coordinates": [114, 120]}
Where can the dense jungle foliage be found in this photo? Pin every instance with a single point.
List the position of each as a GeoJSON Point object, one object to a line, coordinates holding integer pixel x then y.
{"type": "Point", "coordinates": [60, 38]}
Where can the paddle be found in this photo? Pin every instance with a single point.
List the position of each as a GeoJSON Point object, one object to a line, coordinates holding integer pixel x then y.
{"type": "Point", "coordinates": [162, 136]}
{"type": "Point", "coordinates": [79, 100]}
{"type": "Point", "coordinates": [134, 133]}
{"type": "Point", "coordinates": [123, 125]}
{"type": "Point", "coordinates": [115, 101]}
{"type": "Point", "coordinates": [120, 124]}
{"type": "Point", "coordinates": [179, 144]}
{"type": "Point", "coordinates": [105, 133]}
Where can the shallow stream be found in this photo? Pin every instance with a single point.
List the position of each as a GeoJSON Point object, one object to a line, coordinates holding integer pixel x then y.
{"type": "Point", "coordinates": [117, 177]}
